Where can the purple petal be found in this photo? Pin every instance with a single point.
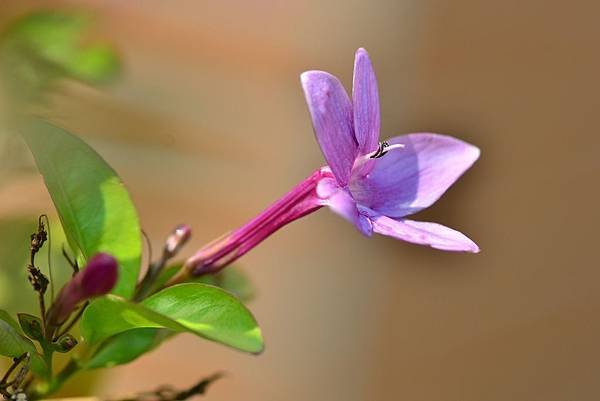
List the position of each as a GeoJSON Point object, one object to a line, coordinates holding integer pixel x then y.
{"type": "Point", "coordinates": [341, 203]}
{"type": "Point", "coordinates": [423, 233]}
{"type": "Point", "coordinates": [331, 114]}
{"type": "Point", "coordinates": [365, 102]}
{"type": "Point", "coordinates": [412, 178]}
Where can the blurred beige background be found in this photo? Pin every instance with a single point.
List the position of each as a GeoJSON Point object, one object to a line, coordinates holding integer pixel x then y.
{"type": "Point", "coordinates": [208, 126]}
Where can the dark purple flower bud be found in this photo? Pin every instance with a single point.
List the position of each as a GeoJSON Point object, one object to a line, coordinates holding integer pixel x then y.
{"type": "Point", "coordinates": [176, 240]}
{"type": "Point", "coordinates": [97, 278]}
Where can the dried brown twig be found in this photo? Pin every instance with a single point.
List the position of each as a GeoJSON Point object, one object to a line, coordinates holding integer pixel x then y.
{"type": "Point", "coordinates": [168, 393]}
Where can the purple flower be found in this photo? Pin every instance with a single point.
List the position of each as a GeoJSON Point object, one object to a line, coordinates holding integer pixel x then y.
{"type": "Point", "coordinates": [375, 186]}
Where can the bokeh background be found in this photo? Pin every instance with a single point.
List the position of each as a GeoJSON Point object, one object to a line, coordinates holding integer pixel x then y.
{"type": "Point", "coordinates": [207, 125]}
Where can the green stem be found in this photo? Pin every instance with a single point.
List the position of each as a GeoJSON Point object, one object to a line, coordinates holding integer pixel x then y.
{"type": "Point", "coordinates": [145, 286]}
{"type": "Point", "coordinates": [55, 383]}
{"type": "Point", "coordinates": [47, 352]}
{"type": "Point", "coordinates": [42, 303]}
{"type": "Point", "coordinates": [69, 370]}
{"type": "Point", "coordinates": [58, 381]}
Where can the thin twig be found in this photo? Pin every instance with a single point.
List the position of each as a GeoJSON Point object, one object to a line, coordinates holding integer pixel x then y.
{"type": "Point", "coordinates": [199, 388]}
{"type": "Point", "coordinates": [74, 320]}
{"type": "Point", "coordinates": [151, 272]}
{"type": "Point", "coordinates": [18, 378]}
{"type": "Point", "coordinates": [38, 281]}
{"type": "Point", "coordinates": [148, 244]}
{"type": "Point", "coordinates": [28, 381]}
{"type": "Point", "coordinates": [16, 362]}
{"type": "Point", "coordinates": [49, 253]}
{"type": "Point", "coordinates": [42, 303]}
{"type": "Point", "coordinates": [71, 262]}
{"type": "Point", "coordinates": [168, 393]}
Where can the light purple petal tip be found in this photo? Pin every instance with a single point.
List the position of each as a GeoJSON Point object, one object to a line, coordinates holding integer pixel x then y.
{"type": "Point", "coordinates": [365, 101]}
{"type": "Point", "coordinates": [423, 233]}
{"type": "Point", "coordinates": [410, 179]}
{"type": "Point", "coordinates": [331, 113]}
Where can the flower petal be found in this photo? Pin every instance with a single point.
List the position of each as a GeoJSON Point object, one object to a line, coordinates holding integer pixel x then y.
{"type": "Point", "coordinates": [342, 203]}
{"type": "Point", "coordinates": [365, 102]}
{"type": "Point", "coordinates": [423, 233]}
{"type": "Point", "coordinates": [412, 178]}
{"type": "Point", "coordinates": [331, 113]}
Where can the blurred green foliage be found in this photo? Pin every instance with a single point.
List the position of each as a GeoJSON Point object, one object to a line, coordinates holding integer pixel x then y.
{"type": "Point", "coordinates": [37, 52]}
{"type": "Point", "coordinates": [43, 47]}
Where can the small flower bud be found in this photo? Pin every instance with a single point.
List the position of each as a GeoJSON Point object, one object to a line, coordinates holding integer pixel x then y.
{"type": "Point", "coordinates": [97, 278]}
{"type": "Point", "coordinates": [176, 240]}
{"type": "Point", "coordinates": [31, 325]}
{"type": "Point", "coordinates": [65, 343]}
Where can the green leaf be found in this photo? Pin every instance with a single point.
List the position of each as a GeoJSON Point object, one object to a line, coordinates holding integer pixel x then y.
{"type": "Point", "coordinates": [232, 279]}
{"type": "Point", "coordinates": [31, 326]}
{"type": "Point", "coordinates": [126, 347]}
{"type": "Point", "coordinates": [14, 344]}
{"type": "Point", "coordinates": [6, 317]}
{"type": "Point", "coordinates": [200, 309]}
{"type": "Point", "coordinates": [50, 45]}
{"type": "Point", "coordinates": [94, 207]}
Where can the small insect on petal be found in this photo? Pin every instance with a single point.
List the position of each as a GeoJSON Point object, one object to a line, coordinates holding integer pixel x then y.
{"type": "Point", "coordinates": [380, 152]}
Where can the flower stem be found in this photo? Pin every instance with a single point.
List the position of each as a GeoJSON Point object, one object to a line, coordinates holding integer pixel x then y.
{"type": "Point", "coordinates": [297, 203]}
